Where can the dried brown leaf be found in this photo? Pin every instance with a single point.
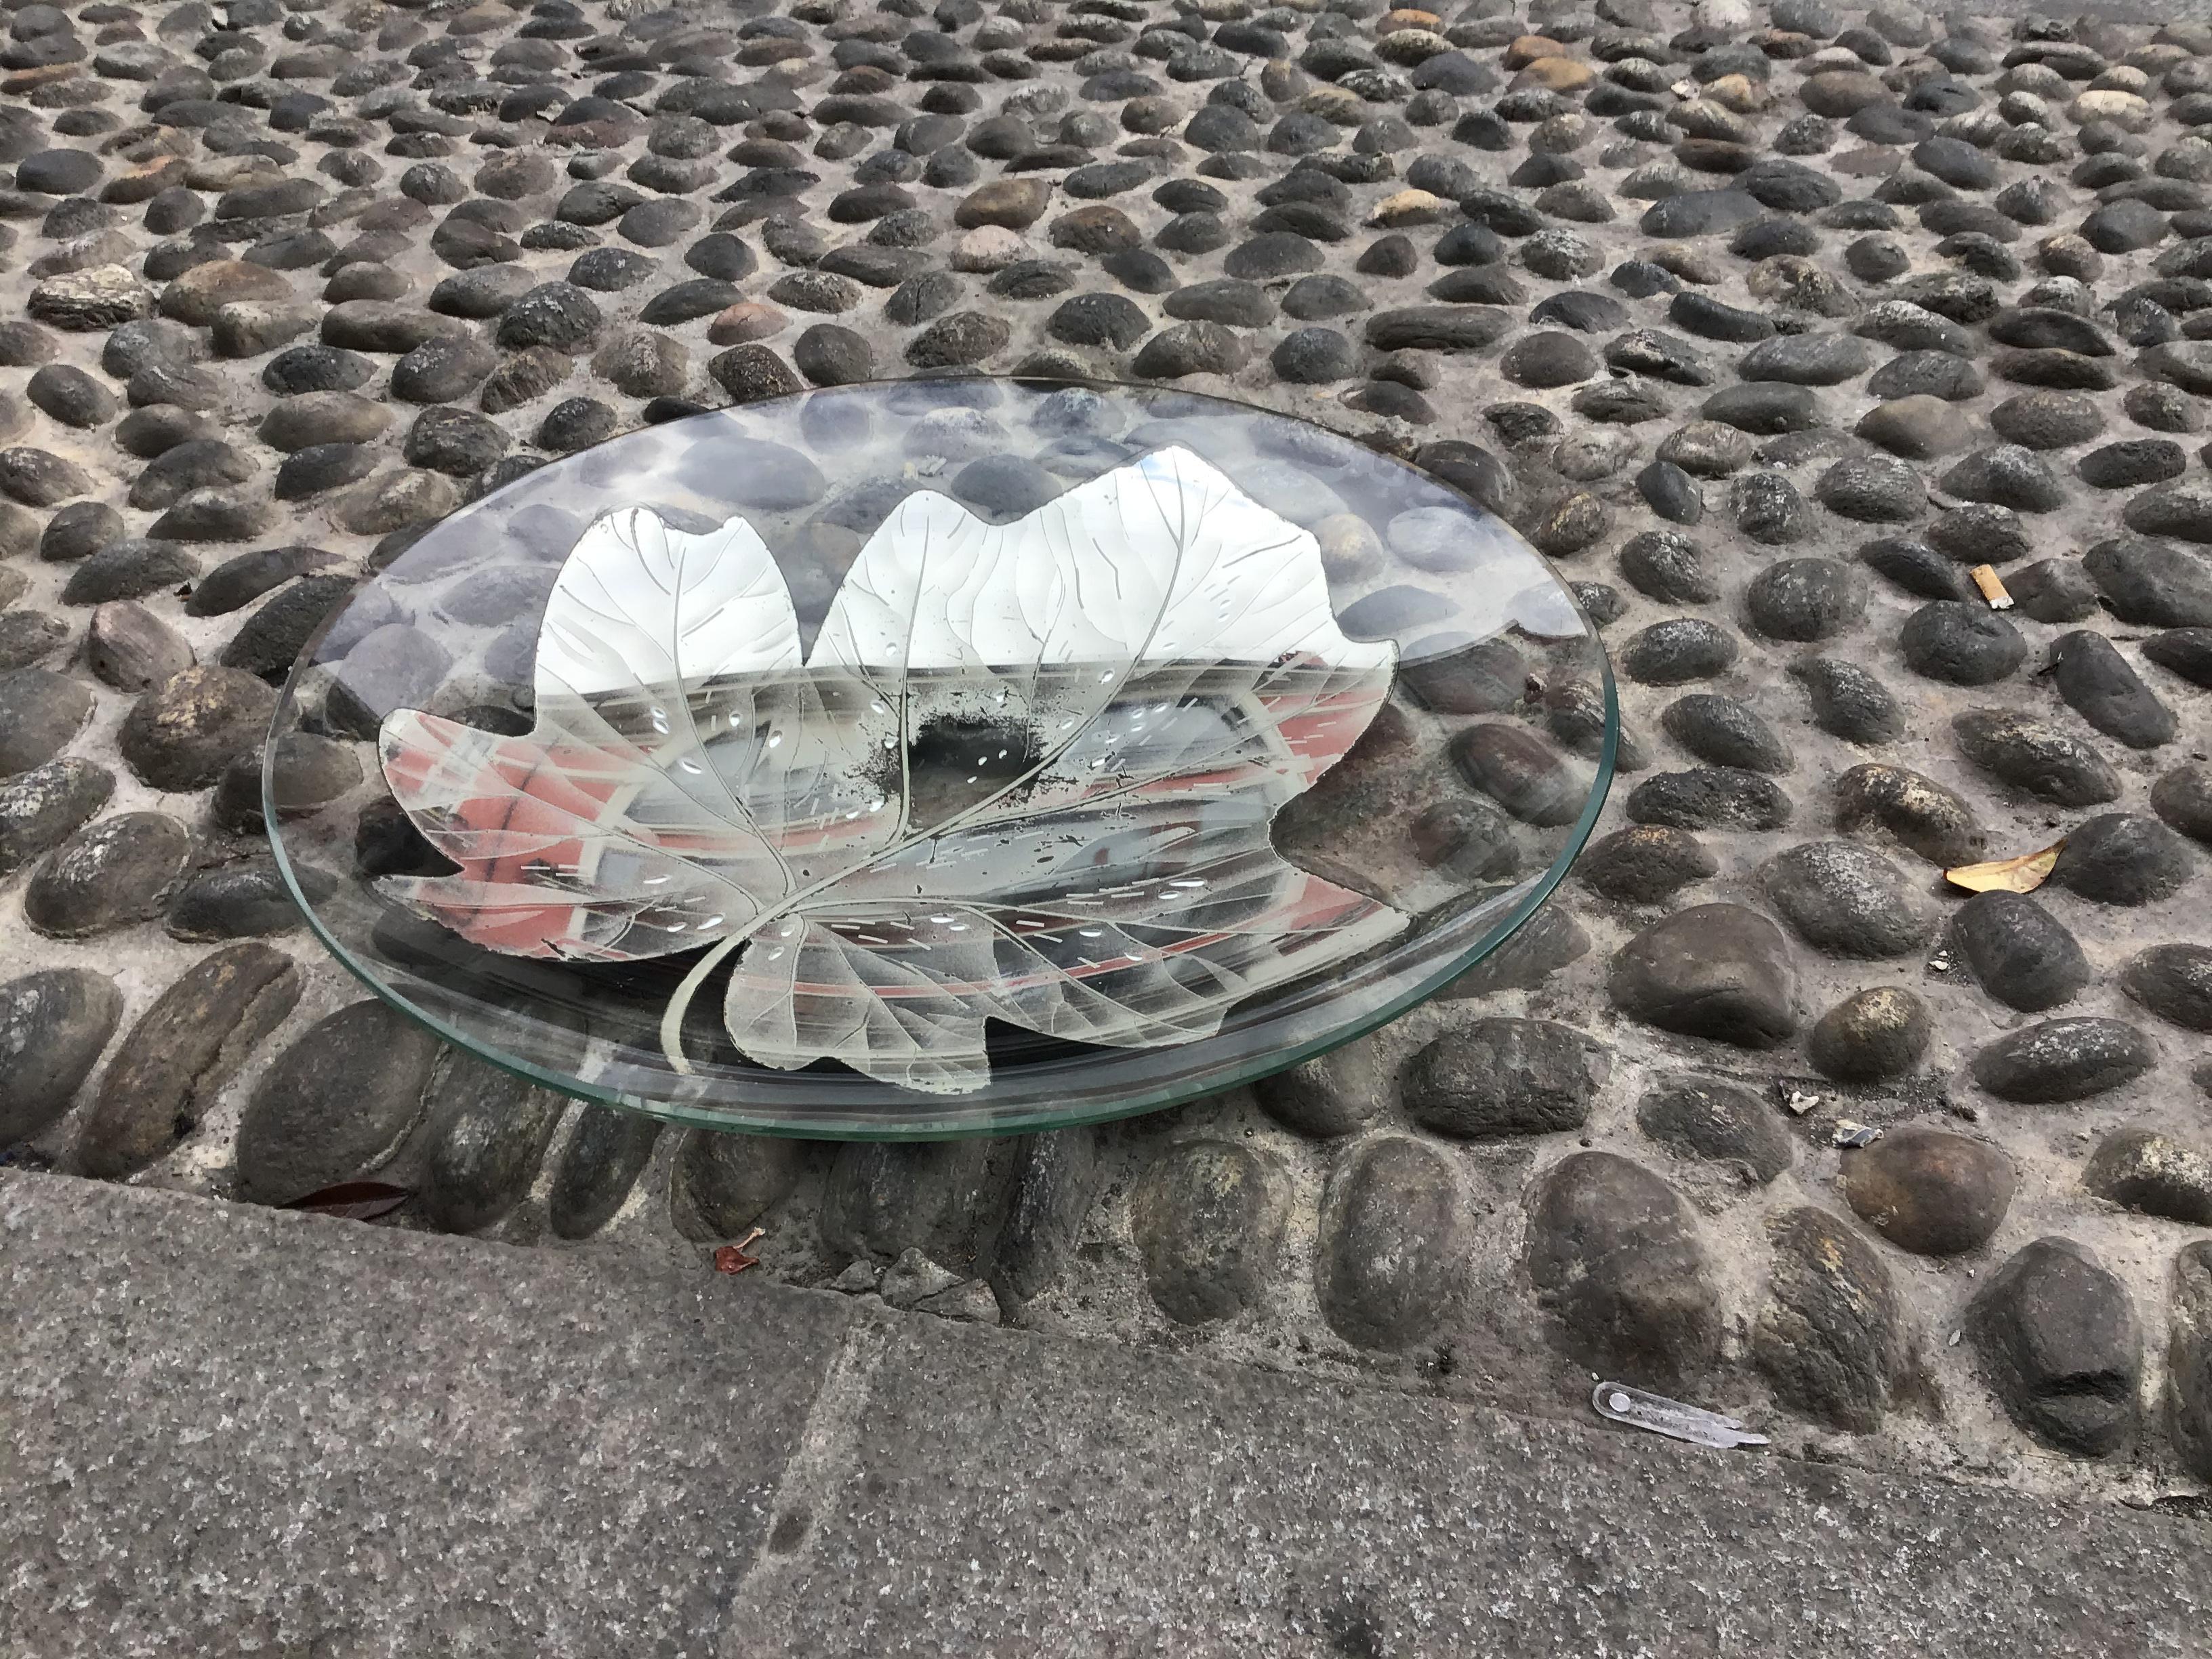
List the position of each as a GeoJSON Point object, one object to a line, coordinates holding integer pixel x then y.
{"type": "Point", "coordinates": [354, 1201]}
{"type": "Point", "coordinates": [2021, 875]}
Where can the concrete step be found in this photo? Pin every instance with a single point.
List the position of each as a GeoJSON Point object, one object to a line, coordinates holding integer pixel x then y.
{"type": "Point", "coordinates": [228, 1430]}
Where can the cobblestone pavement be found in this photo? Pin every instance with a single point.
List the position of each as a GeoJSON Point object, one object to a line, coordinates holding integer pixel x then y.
{"type": "Point", "coordinates": [1767, 325]}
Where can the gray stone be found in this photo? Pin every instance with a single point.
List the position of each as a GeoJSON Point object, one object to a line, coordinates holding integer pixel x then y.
{"type": "Point", "coordinates": [1520, 771]}
{"type": "Point", "coordinates": [2059, 1060]}
{"type": "Point", "coordinates": [2184, 651]}
{"type": "Point", "coordinates": [1874, 489]}
{"type": "Point", "coordinates": [2036, 755]}
{"type": "Point", "coordinates": [304, 772]}
{"type": "Point", "coordinates": [182, 733]}
{"type": "Point", "coordinates": [2174, 981]}
{"type": "Point", "coordinates": [1332, 1095]}
{"type": "Point", "coordinates": [2102, 687]}
{"type": "Point", "coordinates": [78, 531]}
{"type": "Point", "coordinates": [1976, 532]}
{"type": "Point", "coordinates": [958, 339]}
{"type": "Point", "coordinates": [335, 1105]}
{"type": "Point", "coordinates": [1849, 701]}
{"type": "Point", "coordinates": [245, 900]}
{"type": "Point", "coordinates": [2132, 463]}
{"type": "Point", "coordinates": [1677, 650]}
{"type": "Point", "coordinates": [1197, 348]}
{"type": "Point", "coordinates": [826, 353]}
{"type": "Point", "coordinates": [914, 1279]}
{"type": "Point", "coordinates": [313, 418]}
{"type": "Point", "coordinates": [2123, 858]}
{"type": "Point", "coordinates": [2009, 475]}
{"type": "Point", "coordinates": [442, 369]}
{"type": "Point", "coordinates": [273, 638]}
{"type": "Point", "coordinates": [1545, 944]}
{"type": "Point", "coordinates": [1714, 970]}
{"type": "Point", "coordinates": [939, 1197]}
{"type": "Point", "coordinates": [970, 1302]}
{"type": "Point", "coordinates": [1208, 1217]}
{"type": "Point", "coordinates": [2182, 800]}
{"type": "Point", "coordinates": [2154, 1174]}
{"type": "Point", "coordinates": [1769, 509]}
{"type": "Point", "coordinates": [1711, 798]}
{"type": "Point", "coordinates": [41, 808]}
{"type": "Point", "coordinates": [1871, 1035]}
{"type": "Point", "coordinates": [91, 301]}
{"type": "Point", "coordinates": [1449, 328]}
{"type": "Point", "coordinates": [41, 478]}
{"type": "Point", "coordinates": [557, 314]}
{"type": "Point", "coordinates": [483, 1137]}
{"type": "Point", "coordinates": [1049, 1190]}
{"type": "Point", "coordinates": [1805, 599]}
{"type": "Point", "coordinates": [606, 1152]}
{"type": "Point", "coordinates": [1547, 359]}
{"type": "Point", "coordinates": [2182, 510]}
{"type": "Point", "coordinates": [1224, 300]}
{"type": "Point", "coordinates": [139, 567]}
{"type": "Point", "coordinates": [1929, 1191]}
{"type": "Point", "coordinates": [2053, 591]}
{"type": "Point", "coordinates": [1706, 1118]}
{"type": "Point", "coordinates": [129, 648]}
{"type": "Point", "coordinates": [1919, 428]}
{"type": "Point", "coordinates": [1814, 359]}
{"type": "Point", "coordinates": [108, 875]}
{"type": "Point", "coordinates": [2189, 1358]}
{"type": "Point", "coordinates": [53, 1025]}
{"type": "Point", "coordinates": [40, 712]}
{"type": "Point", "coordinates": [1964, 644]}
{"type": "Point", "coordinates": [2017, 951]}
{"type": "Point", "coordinates": [1726, 732]}
{"type": "Point", "coordinates": [393, 666]}
{"type": "Point", "coordinates": [183, 1051]}
{"type": "Point", "coordinates": [1914, 811]}
{"type": "Point", "coordinates": [2057, 1336]}
{"type": "Point", "coordinates": [1645, 864]}
{"type": "Point", "coordinates": [1617, 1256]}
{"type": "Point", "coordinates": [1390, 1256]}
{"type": "Point", "coordinates": [1315, 357]}
{"type": "Point", "coordinates": [1499, 1077]}
{"type": "Point", "coordinates": [722, 1185]}
{"type": "Point", "coordinates": [1829, 1334]}
{"type": "Point", "coordinates": [1843, 899]}
{"type": "Point", "coordinates": [2150, 584]}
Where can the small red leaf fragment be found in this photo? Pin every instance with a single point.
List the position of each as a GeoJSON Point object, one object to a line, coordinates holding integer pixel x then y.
{"type": "Point", "coordinates": [354, 1201]}
{"type": "Point", "coordinates": [732, 1259]}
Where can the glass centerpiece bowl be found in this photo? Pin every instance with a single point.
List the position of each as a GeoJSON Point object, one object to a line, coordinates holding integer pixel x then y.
{"type": "Point", "coordinates": [938, 757]}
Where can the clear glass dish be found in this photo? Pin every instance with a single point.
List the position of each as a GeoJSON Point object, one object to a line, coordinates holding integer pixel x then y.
{"type": "Point", "coordinates": [940, 758]}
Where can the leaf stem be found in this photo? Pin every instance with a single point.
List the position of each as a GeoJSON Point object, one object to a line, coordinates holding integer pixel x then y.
{"type": "Point", "coordinates": [671, 1017]}
{"type": "Point", "coordinates": [679, 1003]}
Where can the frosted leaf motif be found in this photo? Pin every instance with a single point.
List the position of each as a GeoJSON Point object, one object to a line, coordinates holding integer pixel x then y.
{"type": "Point", "coordinates": [1026, 774]}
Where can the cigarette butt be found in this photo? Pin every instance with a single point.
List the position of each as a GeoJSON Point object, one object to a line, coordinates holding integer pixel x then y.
{"type": "Point", "coordinates": [1992, 586]}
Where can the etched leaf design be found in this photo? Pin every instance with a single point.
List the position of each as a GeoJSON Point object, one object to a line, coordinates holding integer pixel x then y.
{"type": "Point", "coordinates": [1026, 773]}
